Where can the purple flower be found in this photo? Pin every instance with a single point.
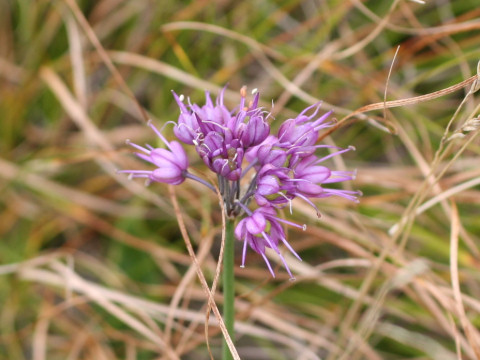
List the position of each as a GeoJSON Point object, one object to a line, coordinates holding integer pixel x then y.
{"type": "Point", "coordinates": [250, 164]}
{"type": "Point", "coordinates": [266, 153]}
{"type": "Point", "coordinates": [252, 230]}
{"type": "Point", "coordinates": [254, 131]}
{"type": "Point", "coordinates": [171, 164]}
{"type": "Point", "coordinates": [302, 131]}
{"type": "Point", "coordinates": [271, 188]}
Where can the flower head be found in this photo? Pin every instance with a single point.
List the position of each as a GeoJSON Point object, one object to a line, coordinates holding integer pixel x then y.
{"type": "Point", "coordinates": [236, 143]}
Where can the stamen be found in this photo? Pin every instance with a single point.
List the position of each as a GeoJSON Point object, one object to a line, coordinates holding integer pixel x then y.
{"type": "Point", "coordinates": [159, 134]}
{"type": "Point", "coordinates": [205, 145]}
{"type": "Point", "coordinates": [143, 157]}
{"type": "Point", "coordinates": [217, 124]}
{"type": "Point", "coordinates": [289, 247]}
{"type": "Point", "coordinates": [286, 266]}
{"type": "Point", "coordinates": [318, 105]}
{"type": "Point", "coordinates": [138, 147]}
{"type": "Point", "coordinates": [134, 171]}
{"type": "Point", "coordinates": [268, 264]}
{"type": "Point", "coordinates": [243, 91]}
{"type": "Point", "coordinates": [223, 166]}
{"type": "Point", "coordinates": [331, 155]}
{"type": "Point", "coordinates": [168, 123]}
{"type": "Point", "coordinates": [322, 118]}
{"type": "Point", "coordinates": [183, 124]}
{"type": "Point", "coordinates": [347, 194]}
{"type": "Point", "coordinates": [244, 252]}
{"type": "Point", "coordinates": [289, 201]}
{"type": "Point", "coordinates": [272, 244]}
{"type": "Point", "coordinates": [286, 221]}
{"type": "Point", "coordinates": [310, 203]}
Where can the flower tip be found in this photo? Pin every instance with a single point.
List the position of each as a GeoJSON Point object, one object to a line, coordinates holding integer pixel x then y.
{"type": "Point", "coordinates": [254, 91]}
{"type": "Point", "coordinates": [243, 91]}
{"type": "Point", "coordinates": [354, 174]}
{"type": "Point", "coordinates": [304, 227]}
{"type": "Point", "coordinates": [242, 266]}
{"type": "Point", "coordinates": [149, 122]}
{"type": "Point", "coordinates": [130, 176]}
{"type": "Point", "coordinates": [328, 113]}
{"type": "Point", "coordinates": [292, 279]}
{"type": "Point", "coordinates": [128, 141]}
{"type": "Point", "coordinates": [180, 97]}
{"type": "Point", "coordinates": [351, 147]}
{"type": "Point", "coordinates": [148, 182]}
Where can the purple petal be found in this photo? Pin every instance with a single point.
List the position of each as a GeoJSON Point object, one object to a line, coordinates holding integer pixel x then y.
{"type": "Point", "coordinates": [256, 223]}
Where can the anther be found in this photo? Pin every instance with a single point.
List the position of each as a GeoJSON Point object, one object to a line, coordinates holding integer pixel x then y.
{"type": "Point", "coordinates": [243, 91]}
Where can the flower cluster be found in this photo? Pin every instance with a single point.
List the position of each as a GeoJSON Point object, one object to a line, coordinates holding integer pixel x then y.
{"type": "Point", "coordinates": [237, 145]}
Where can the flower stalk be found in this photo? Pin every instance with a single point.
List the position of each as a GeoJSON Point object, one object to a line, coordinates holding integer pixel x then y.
{"type": "Point", "coordinates": [228, 286]}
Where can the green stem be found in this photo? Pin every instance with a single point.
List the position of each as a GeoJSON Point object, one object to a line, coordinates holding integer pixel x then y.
{"type": "Point", "coordinates": [228, 286]}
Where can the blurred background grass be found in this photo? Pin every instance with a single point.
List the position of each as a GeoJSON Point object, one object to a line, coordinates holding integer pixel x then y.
{"type": "Point", "coordinates": [94, 267]}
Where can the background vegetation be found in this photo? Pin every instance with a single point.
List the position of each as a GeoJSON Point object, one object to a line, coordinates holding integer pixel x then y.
{"type": "Point", "coordinates": [93, 266]}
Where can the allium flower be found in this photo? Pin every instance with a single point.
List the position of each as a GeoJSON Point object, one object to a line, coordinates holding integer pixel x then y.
{"type": "Point", "coordinates": [237, 145]}
{"type": "Point", "coordinates": [261, 229]}
{"type": "Point", "coordinates": [171, 164]}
